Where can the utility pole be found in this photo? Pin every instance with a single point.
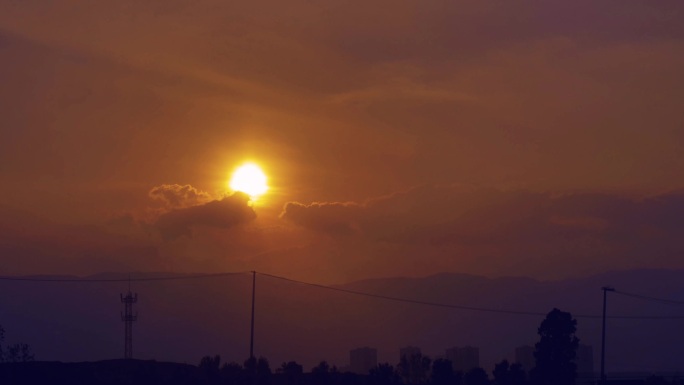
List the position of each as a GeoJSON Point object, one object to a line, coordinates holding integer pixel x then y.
{"type": "Point", "coordinates": [605, 289]}
{"type": "Point", "coordinates": [128, 317]}
{"type": "Point", "coordinates": [251, 334]}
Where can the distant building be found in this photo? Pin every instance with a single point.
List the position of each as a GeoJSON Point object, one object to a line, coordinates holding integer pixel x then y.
{"type": "Point", "coordinates": [524, 355]}
{"type": "Point", "coordinates": [362, 360]}
{"type": "Point", "coordinates": [585, 360]}
{"type": "Point", "coordinates": [439, 357]}
{"type": "Point", "coordinates": [465, 358]}
{"type": "Point", "coordinates": [408, 352]}
{"type": "Point", "coordinates": [450, 355]}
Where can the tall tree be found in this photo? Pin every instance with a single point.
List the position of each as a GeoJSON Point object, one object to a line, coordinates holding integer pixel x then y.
{"type": "Point", "coordinates": [556, 350]}
{"type": "Point", "coordinates": [2, 339]}
{"type": "Point", "coordinates": [517, 375]}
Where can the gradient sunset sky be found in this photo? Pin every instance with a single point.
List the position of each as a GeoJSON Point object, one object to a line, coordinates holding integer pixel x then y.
{"type": "Point", "coordinates": [400, 138]}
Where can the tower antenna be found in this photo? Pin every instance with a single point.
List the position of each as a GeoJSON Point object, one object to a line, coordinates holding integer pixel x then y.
{"type": "Point", "coordinates": [128, 318]}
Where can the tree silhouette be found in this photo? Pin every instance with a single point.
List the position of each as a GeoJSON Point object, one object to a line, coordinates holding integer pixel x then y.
{"type": "Point", "coordinates": [233, 374]}
{"type": "Point", "coordinates": [414, 369]}
{"type": "Point", "coordinates": [656, 380]}
{"type": "Point", "coordinates": [507, 374]}
{"type": "Point", "coordinates": [442, 372]}
{"type": "Point", "coordinates": [259, 370]}
{"type": "Point", "coordinates": [15, 353]}
{"type": "Point", "coordinates": [556, 350]}
{"type": "Point", "coordinates": [292, 372]}
{"type": "Point", "coordinates": [321, 373]}
{"type": "Point", "coordinates": [384, 374]}
{"type": "Point", "coordinates": [476, 376]}
{"type": "Point", "coordinates": [458, 377]}
{"type": "Point", "coordinates": [210, 369]}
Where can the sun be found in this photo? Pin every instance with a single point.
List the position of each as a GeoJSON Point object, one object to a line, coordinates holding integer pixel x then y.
{"type": "Point", "coordinates": [249, 179]}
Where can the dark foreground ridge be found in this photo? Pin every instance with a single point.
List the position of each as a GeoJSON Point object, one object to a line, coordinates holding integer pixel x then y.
{"type": "Point", "coordinates": [109, 372]}
{"type": "Point", "coordinates": [150, 372]}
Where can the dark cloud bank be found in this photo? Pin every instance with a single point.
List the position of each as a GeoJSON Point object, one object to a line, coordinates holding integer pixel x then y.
{"type": "Point", "coordinates": [526, 230]}
{"type": "Point", "coordinates": [175, 195]}
{"type": "Point", "coordinates": [222, 213]}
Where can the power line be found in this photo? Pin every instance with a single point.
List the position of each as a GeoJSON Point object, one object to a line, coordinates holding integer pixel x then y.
{"type": "Point", "coordinates": [100, 280]}
{"type": "Point", "coordinates": [348, 291]}
{"type": "Point", "coordinates": [379, 296]}
{"type": "Point", "coordinates": [459, 307]}
{"type": "Point", "coordinates": [652, 299]}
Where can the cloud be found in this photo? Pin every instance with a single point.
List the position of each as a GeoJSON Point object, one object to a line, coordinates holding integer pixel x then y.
{"type": "Point", "coordinates": [225, 213]}
{"type": "Point", "coordinates": [492, 231]}
{"type": "Point", "coordinates": [415, 207]}
{"type": "Point", "coordinates": [338, 218]}
{"type": "Point", "coordinates": [539, 93]}
{"type": "Point", "coordinates": [179, 196]}
{"type": "Point", "coordinates": [400, 89]}
{"type": "Point", "coordinates": [491, 94]}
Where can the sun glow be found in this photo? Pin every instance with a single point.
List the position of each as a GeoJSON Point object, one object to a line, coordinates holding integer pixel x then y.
{"type": "Point", "coordinates": [250, 180]}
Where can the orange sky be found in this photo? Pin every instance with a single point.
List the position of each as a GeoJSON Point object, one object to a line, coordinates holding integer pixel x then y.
{"type": "Point", "coordinates": [487, 137]}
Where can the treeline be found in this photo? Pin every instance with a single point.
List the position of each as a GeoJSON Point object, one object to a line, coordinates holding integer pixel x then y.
{"type": "Point", "coordinates": [554, 355]}
{"type": "Point", "coordinates": [18, 352]}
{"type": "Point", "coordinates": [437, 372]}
{"type": "Point", "coordinates": [418, 370]}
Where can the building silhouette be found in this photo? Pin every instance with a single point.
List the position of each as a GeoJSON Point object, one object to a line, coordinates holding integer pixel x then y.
{"type": "Point", "coordinates": [524, 355]}
{"type": "Point", "coordinates": [408, 352]}
{"type": "Point", "coordinates": [362, 360]}
{"type": "Point", "coordinates": [465, 358]}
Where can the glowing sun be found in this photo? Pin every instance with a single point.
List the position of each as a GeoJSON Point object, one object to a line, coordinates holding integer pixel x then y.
{"type": "Point", "coordinates": [249, 179]}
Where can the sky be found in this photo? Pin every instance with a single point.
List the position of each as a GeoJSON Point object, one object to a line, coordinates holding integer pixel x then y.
{"type": "Point", "coordinates": [400, 138]}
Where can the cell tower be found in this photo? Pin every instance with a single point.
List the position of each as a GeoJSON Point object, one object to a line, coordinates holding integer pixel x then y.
{"type": "Point", "coordinates": [128, 317]}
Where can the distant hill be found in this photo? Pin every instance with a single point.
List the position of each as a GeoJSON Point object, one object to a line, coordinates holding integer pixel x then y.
{"type": "Point", "coordinates": [183, 320]}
